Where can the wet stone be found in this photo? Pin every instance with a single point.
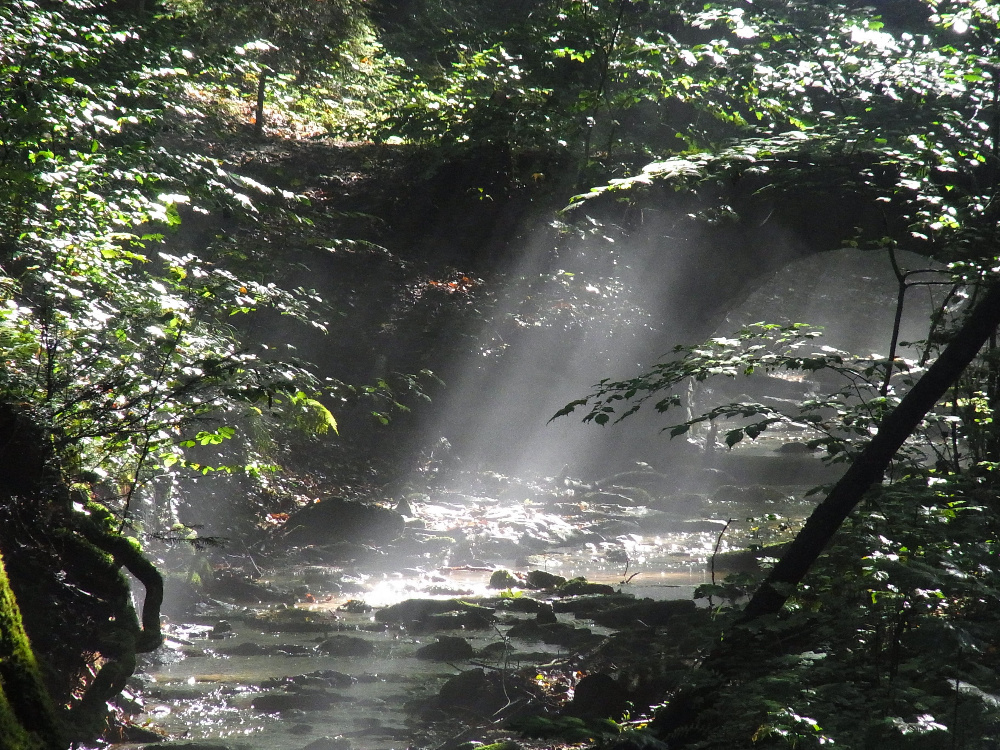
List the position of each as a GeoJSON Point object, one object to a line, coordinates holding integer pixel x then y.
{"type": "Point", "coordinates": [222, 629]}
{"type": "Point", "coordinates": [247, 649]}
{"type": "Point", "coordinates": [346, 645]}
{"type": "Point", "coordinates": [294, 649]}
{"type": "Point", "coordinates": [467, 620]}
{"type": "Point", "coordinates": [446, 649]}
{"type": "Point", "coordinates": [554, 634]}
{"type": "Point", "coordinates": [422, 610]}
{"type": "Point", "coordinates": [293, 620]}
{"type": "Point", "coordinates": [331, 677]}
{"type": "Point", "coordinates": [581, 586]}
{"type": "Point", "coordinates": [546, 615]}
{"type": "Point", "coordinates": [539, 579]}
{"type": "Point", "coordinates": [503, 579]}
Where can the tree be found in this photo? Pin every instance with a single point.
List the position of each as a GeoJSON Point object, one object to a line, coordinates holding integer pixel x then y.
{"type": "Point", "coordinates": [302, 38]}
{"type": "Point", "coordinates": [118, 359]}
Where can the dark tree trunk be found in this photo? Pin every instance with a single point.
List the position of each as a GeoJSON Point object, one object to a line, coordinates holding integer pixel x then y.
{"type": "Point", "coordinates": [258, 125]}
{"type": "Point", "coordinates": [869, 467]}
{"type": "Point", "coordinates": [680, 718]}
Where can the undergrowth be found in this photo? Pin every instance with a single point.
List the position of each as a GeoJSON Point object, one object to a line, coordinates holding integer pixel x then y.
{"type": "Point", "coordinates": [892, 640]}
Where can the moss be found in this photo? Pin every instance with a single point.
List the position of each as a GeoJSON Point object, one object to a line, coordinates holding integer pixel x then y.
{"type": "Point", "coordinates": [27, 717]}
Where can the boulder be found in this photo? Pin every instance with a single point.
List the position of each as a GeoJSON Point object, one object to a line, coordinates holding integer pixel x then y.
{"type": "Point", "coordinates": [503, 579]}
{"type": "Point", "coordinates": [599, 696]}
{"type": "Point", "coordinates": [540, 579]}
{"type": "Point", "coordinates": [581, 586]}
{"type": "Point", "coordinates": [423, 610]}
{"type": "Point", "coordinates": [447, 648]}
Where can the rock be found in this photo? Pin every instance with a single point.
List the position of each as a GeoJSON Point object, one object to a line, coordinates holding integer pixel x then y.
{"type": "Point", "coordinates": [331, 677]}
{"type": "Point", "coordinates": [539, 579]}
{"type": "Point", "coordinates": [134, 733]}
{"type": "Point", "coordinates": [546, 615]}
{"type": "Point", "coordinates": [329, 743]}
{"type": "Point", "coordinates": [293, 620]}
{"type": "Point", "coordinates": [555, 634]}
{"type": "Point", "coordinates": [421, 610]}
{"type": "Point", "coordinates": [222, 629]}
{"type": "Point", "coordinates": [446, 649]}
{"type": "Point", "coordinates": [587, 605]}
{"type": "Point", "coordinates": [521, 604]}
{"type": "Point", "coordinates": [347, 645]}
{"type": "Point", "coordinates": [294, 649]}
{"type": "Point", "coordinates": [599, 696]}
{"type": "Point", "coordinates": [338, 520]}
{"type": "Point", "coordinates": [300, 729]}
{"type": "Point", "coordinates": [503, 579]}
{"type": "Point", "coordinates": [472, 690]}
{"type": "Point", "coordinates": [465, 620]}
{"type": "Point", "coordinates": [646, 613]}
{"type": "Point", "coordinates": [188, 746]}
{"type": "Point", "coordinates": [273, 703]}
{"type": "Point", "coordinates": [682, 503]}
{"type": "Point", "coordinates": [580, 586]}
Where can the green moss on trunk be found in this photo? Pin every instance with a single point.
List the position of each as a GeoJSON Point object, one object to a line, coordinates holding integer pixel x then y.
{"type": "Point", "coordinates": [27, 717]}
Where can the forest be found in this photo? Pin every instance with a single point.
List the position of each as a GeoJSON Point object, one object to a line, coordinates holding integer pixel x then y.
{"type": "Point", "coordinates": [441, 375]}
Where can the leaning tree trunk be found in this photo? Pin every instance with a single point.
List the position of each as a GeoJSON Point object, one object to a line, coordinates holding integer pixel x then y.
{"type": "Point", "coordinates": [868, 468]}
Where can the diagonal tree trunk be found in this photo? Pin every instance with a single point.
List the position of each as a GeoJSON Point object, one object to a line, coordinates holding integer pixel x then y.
{"type": "Point", "coordinates": [869, 467]}
{"type": "Point", "coordinates": [680, 718]}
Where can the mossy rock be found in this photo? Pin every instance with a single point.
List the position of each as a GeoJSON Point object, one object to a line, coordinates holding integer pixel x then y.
{"type": "Point", "coordinates": [540, 579]}
{"type": "Point", "coordinates": [419, 610]}
{"type": "Point", "coordinates": [588, 604]}
{"type": "Point", "coordinates": [503, 579]}
{"type": "Point", "coordinates": [581, 586]}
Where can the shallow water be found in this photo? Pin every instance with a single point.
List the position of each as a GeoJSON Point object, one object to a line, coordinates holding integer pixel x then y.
{"type": "Point", "coordinates": [194, 691]}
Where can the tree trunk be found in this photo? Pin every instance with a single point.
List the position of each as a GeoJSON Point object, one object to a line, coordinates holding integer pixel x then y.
{"type": "Point", "coordinates": [679, 720]}
{"type": "Point", "coordinates": [258, 125]}
{"type": "Point", "coordinates": [28, 719]}
{"type": "Point", "coordinates": [869, 467]}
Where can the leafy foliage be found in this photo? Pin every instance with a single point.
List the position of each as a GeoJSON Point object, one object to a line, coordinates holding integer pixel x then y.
{"type": "Point", "coordinates": [890, 638]}
{"type": "Point", "coordinates": [126, 350]}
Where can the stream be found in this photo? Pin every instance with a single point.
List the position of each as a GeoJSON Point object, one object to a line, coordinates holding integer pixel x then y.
{"type": "Point", "coordinates": [335, 665]}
